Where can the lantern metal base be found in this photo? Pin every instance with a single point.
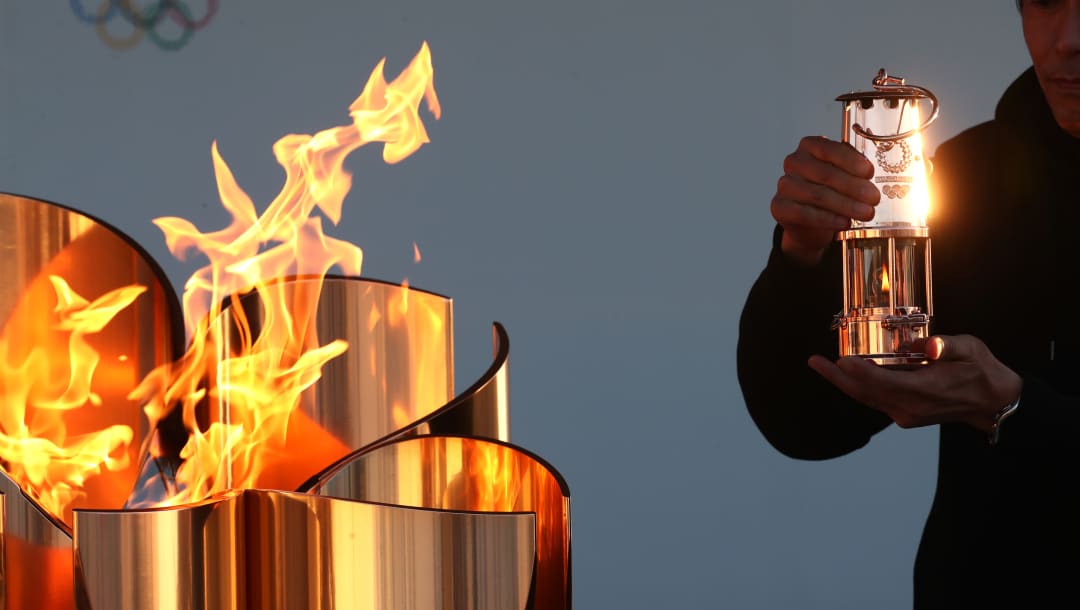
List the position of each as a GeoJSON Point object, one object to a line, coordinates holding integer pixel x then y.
{"type": "Point", "coordinates": [899, 361]}
{"type": "Point", "coordinates": [886, 340]}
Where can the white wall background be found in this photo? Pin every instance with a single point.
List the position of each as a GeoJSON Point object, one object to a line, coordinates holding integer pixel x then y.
{"type": "Point", "coordinates": [599, 183]}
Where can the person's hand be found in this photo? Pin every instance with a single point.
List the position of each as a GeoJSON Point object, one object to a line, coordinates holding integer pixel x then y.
{"type": "Point", "coordinates": [825, 184]}
{"type": "Point", "coordinates": [963, 382]}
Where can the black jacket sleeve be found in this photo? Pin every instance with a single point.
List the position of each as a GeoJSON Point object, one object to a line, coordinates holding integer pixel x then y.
{"type": "Point", "coordinates": [787, 318]}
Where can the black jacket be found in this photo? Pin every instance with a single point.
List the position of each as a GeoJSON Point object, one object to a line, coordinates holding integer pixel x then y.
{"type": "Point", "coordinates": [1005, 227]}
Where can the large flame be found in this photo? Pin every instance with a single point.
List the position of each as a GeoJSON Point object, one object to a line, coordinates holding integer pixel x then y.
{"type": "Point", "coordinates": [255, 380]}
{"type": "Point", "coordinates": [45, 372]}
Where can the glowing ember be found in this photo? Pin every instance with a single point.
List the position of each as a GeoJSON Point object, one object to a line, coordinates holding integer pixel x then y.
{"type": "Point", "coordinates": [44, 372]}
{"type": "Point", "coordinates": [255, 384]}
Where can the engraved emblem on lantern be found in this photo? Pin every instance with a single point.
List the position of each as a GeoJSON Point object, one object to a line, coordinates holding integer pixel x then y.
{"type": "Point", "coordinates": [888, 297]}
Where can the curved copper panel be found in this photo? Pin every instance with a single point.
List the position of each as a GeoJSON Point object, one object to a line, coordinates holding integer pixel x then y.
{"type": "Point", "coordinates": [191, 557]}
{"type": "Point", "coordinates": [459, 521]}
{"type": "Point", "coordinates": [482, 410]}
{"type": "Point", "coordinates": [398, 367]}
{"type": "Point", "coordinates": [37, 564]}
{"type": "Point", "coordinates": [275, 550]}
{"type": "Point", "coordinates": [40, 239]}
{"type": "Point", "coordinates": [458, 473]}
{"type": "Point", "coordinates": [386, 385]}
{"type": "Point", "coordinates": [47, 251]}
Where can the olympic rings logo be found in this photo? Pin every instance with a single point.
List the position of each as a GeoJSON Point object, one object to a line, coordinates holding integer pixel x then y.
{"type": "Point", "coordinates": [145, 21]}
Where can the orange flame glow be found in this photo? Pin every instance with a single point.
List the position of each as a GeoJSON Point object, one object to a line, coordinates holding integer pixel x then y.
{"type": "Point", "coordinates": [884, 279]}
{"type": "Point", "coordinates": [255, 384]}
{"type": "Point", "coordinates": [45, 372]}
{"type": "Point", "coordinates": [495, 479]}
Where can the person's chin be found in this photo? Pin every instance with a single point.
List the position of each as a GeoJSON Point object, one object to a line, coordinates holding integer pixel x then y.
{"type": "Point", "coordinates": [1064, 98]}
{"type": "Point", "coordinates": [1070, 123]}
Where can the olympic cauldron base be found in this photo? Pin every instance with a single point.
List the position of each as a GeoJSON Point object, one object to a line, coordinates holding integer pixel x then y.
{"type": "Point", "coordinates": [416, 499]}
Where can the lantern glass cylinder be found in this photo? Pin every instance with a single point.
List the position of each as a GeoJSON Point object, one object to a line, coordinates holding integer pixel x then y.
{"type": "Point", "coordinates": [899, 165]}
{"type": "Point", "coordinates": [880, 284]}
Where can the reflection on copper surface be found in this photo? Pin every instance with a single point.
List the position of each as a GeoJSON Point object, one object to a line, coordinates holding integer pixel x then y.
{"type": "Point", "coordinates": [456, 473]}
{"type": "Point", "coordinates": [276, 550]}
{"type": "Point", "coordinates": [398, 368]}
{"type": "Point", "coordinates": [37, 563]}
{"type": "Point", "coordinates": [483, 409]}
{"type": "Point", "coordinates": [40, 240]}
{"type": "Point", "coordinates": [388, 492]}
{"type": "Point", "coordinates": [183, 558]}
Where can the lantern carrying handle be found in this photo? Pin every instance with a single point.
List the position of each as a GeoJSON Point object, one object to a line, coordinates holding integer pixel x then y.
{"type": "Point", "coordinates": [895, 86]}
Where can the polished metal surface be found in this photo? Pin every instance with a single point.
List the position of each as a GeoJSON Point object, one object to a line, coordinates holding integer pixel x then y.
{"type": "Point", "coordinates": [37, 563]}
{"type": "Point", "coordinates": [483, 410]}
{"type": "Point", "coordinates": [285, 551]}
{"type": "Point", "coordinates": [411, 497]}
{"type": "Point", "coordinates": [883, 340]}
{"type": "Point", "coordinates": [188, 557]}
{"type": "Point", "coordinates": [393, 381]}
{"type": "Point", "coordinates": [883, 233]}
{"type": "Point", "coordinates": [39, 239]}
{"type": "Point", "coordinates": [458, 473]}
{"type": "Point", "coordinates": [398, 368]}
{"type": "Point", "coordinates": [878, 323]}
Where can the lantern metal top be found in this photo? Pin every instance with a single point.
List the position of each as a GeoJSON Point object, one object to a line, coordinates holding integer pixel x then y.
{"type": "Point", "coordinates": [887, 87]}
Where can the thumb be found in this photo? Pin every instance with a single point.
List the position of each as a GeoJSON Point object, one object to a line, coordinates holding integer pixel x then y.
{"type": "Point", "coordinates": [949, 348]}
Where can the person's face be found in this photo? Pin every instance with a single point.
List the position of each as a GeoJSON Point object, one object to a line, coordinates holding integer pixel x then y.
{"type": "Point", "coordinates": [1052, 32]}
